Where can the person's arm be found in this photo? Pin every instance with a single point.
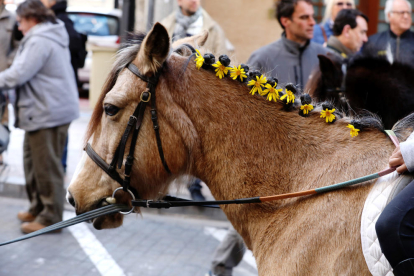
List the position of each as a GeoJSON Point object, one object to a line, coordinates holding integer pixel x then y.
{"type": "Point", "coordinates": [26, 65]}
{"type": "Point", "coordinates": [403, 156]}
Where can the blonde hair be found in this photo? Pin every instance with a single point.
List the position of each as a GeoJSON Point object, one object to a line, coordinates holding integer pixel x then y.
{"type": "Point", "coordinates": [329, 6]}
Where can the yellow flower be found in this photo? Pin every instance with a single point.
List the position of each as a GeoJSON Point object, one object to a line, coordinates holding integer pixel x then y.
{"type": "Point", "coordinates": [257, 84]}
{"type": "Point", "coordinates": [328, 114]}
{"type": "Point", "coordinates": [289, 95]}
{"type": "Point", "coordinates": [238, 72]}
{"type": "Point", "coordinates": [273, 92]}
{"type": "Point", "coordinates": [354, 131]}
{"type": "Point", "coordinates": [306, 108]}
{"type": "Point", "coordinates": [199, 59]}
{"type": "Point", "coordinates": [221, 70]}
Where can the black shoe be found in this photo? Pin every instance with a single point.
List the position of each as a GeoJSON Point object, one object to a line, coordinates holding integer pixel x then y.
{"type": "Point", "coordinates": [404, 268]}
{"type": "Point", "coordinates": [196, 195]}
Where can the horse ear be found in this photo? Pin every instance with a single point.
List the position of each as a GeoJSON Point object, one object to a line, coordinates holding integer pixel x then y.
{"type": "Point", "coordinates": [326, 65]}
{"type": "Point", "coordinates": [154, 50]}
{"type": "Point", "coordinates": [202, 38]}
{"type": "Point", "coordinates": [195, 41]}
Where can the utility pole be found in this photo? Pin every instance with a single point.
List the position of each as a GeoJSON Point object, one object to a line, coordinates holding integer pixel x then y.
{"type": "Point", "coordinates": [128, 18]}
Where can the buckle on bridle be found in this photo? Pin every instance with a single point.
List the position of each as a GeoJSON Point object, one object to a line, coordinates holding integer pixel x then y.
{"type": "Point", "coordinates": [142, 96]}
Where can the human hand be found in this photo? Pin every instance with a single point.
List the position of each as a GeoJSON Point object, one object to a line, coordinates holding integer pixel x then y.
{"type": "Point", "coordinates": [396, 160]}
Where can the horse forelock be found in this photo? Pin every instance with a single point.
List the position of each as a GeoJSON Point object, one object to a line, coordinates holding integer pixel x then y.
{"type": "Point", "coordinates": [125, 55]}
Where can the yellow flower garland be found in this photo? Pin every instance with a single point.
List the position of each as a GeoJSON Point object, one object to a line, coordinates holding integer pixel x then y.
{"type": "Point", "coordinates": [238, 72]}
{"type": "Point", "coordinates": [257, 84]}
{"type": "Point", "coordinates": [306, 108]}
{"type": "Point", "coordinates": [328, 114]}
{"type": "Point", "coordinates": [199, 59]}
{"type": "Point", "coordinates": [271, 91]}
{"type": "Point", "coordinates": [289, 95]}
{"type": "Point", "coordinates": [354, 131]}
{"type": "Point", "coordinates": [221, 70]}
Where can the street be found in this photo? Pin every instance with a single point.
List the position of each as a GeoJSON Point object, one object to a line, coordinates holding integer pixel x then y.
{"type": "Point", "coordinates": [149, 245]}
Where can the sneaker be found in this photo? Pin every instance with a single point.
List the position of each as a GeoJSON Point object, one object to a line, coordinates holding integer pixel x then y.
{"type": "Point", "coordinates": [29, 227]}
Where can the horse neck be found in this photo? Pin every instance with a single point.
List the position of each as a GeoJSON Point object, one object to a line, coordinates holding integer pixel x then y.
{"type": "Point", "coordinates": [243, 139]}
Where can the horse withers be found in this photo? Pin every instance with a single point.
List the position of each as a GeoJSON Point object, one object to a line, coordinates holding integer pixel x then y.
{"type": "Point", "coordinates": [241, 146]}
{"type": "Point", "coordinates": [371, 83]}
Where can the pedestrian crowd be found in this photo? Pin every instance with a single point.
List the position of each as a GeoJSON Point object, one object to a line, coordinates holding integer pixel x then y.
{"type": "Point", "coordinates": [40, 53]}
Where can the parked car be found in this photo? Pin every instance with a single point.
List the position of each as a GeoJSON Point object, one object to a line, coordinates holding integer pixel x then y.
{"type": "Point", "coordinates": [102, 28]}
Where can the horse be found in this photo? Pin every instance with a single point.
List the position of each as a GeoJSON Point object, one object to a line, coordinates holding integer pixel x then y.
{"type": "Point", "coordinates": [242, 146]}
{"type": "Point", "coordinates": [371, 83]}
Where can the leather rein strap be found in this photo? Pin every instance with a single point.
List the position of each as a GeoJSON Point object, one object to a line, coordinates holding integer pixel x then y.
{"type": "Point", "coordinates": [178, 202]}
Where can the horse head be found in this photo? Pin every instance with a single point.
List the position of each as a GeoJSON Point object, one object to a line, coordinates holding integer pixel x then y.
{"type": "Point", "coordinates": [327, 83]}
{"type": "Point", "coordinates": [120, 97]}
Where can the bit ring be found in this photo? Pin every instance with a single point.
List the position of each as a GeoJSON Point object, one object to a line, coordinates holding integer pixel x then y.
{"type": "Point", "coordinates": [133, 198]}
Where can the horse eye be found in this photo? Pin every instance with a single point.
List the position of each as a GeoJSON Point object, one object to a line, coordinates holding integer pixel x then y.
{"type": "Point", "coordinates": [110, 109]}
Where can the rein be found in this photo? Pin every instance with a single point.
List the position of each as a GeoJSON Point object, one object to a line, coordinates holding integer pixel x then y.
{"type": "Point", "coordinates": [134, 125]}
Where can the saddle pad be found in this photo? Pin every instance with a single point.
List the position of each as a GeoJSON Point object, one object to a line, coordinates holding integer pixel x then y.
{"type": "Point", "coordinates": [375, 203]}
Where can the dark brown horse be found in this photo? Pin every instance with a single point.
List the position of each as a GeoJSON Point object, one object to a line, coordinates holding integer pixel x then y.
{"type": "Point", "coordinates": [371, 83]}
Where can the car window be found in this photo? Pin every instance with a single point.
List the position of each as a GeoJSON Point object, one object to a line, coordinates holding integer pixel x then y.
{"type": "Point", "coordinates": [94, 24]}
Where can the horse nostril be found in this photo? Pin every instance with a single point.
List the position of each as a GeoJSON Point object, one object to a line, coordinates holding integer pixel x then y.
{"type": "Point", "coordinates": [70, 199]}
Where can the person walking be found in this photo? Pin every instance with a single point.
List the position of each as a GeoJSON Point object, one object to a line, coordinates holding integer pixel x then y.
{"type": "Point", "coordinates": [76, 40]}
{"type": "Point", "coordinates": [349, 33]}
{"type": "Point", "coordinates": [190, 19]}
{"type": "Point", "coordinates": [294, 55]}
{"type": "Point", "coordinates": [398, 39]}
{"type": "Point", "coordinates": [47, 102]}
{"type": "Point", "coordinates": [228, 254]}
{"type": "Point", "coordinates": [8, 48]}
{"type": "Point", "coordinates": [394, 226]}
{"type": "Point", "coordinates": [8, 45]}
{"type": "Point", "coordinates": [77, 48]}
{"type": "Point", "coordinates": [323, 31]}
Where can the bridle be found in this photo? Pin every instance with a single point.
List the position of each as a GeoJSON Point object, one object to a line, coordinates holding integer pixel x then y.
{"type": "Point", "coordinates": [134, 126]}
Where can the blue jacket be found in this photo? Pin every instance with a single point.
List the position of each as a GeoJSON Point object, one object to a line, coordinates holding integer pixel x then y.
{"type": "Point", "coordinates": [318, 34]}
{"type": "Point", "coordinates": [42, 74]}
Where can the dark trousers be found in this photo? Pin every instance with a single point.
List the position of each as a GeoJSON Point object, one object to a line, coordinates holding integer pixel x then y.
{"type": "Point", "coordinates": [42, 154]}
{"type": "Point", "coordinates": [395, 227]}
{"type": "Point", "coordinates": [195, 185]}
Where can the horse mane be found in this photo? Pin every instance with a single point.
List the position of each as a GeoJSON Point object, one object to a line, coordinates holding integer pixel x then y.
{"type": "Point", "coordinates": [404, 127]}
{"type": "Point", "coordinates": [370, 62]}
{"type": "Point", "coordinates": [130, 49]}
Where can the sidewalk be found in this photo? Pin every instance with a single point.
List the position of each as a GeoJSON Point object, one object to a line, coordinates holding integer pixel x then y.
{"type": "Point", "coordinates": [12, 178]}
